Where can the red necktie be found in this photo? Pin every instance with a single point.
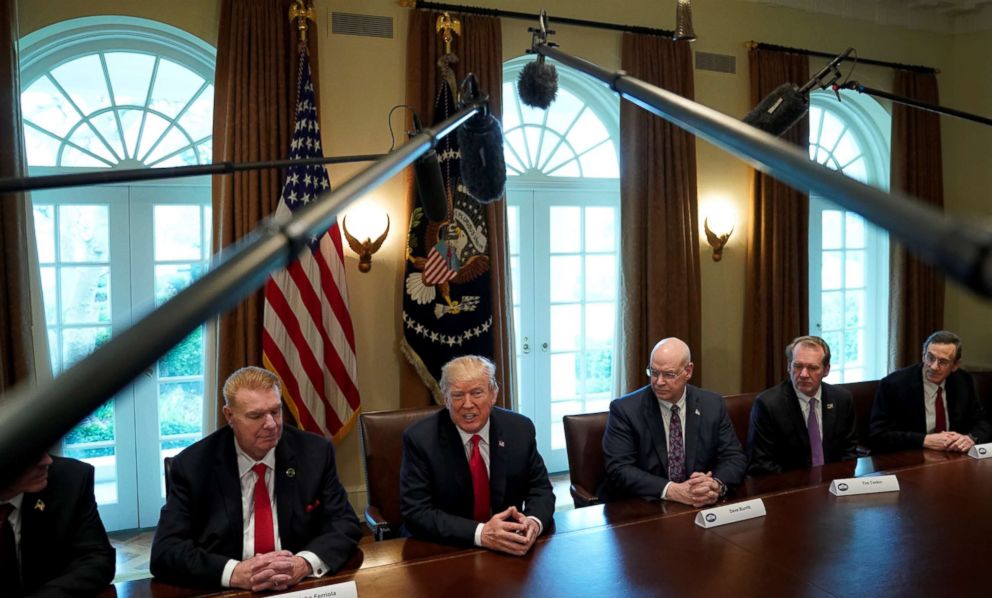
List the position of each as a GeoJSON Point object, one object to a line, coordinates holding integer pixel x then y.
{"type": "Point", "coordinates": [941, 424]}
{"type": "Point", "coordinates": [10, 572]}
{"type": "Point", "coordinates": [264, 541]}
{"type": "Point", "coordinates": [480, 482]}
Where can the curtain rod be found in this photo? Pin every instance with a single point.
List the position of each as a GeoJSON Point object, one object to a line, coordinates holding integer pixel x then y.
{"type": "Point", "coordinates": [894, 65]}
{"type": "Point", "coordinates": [495, 12]}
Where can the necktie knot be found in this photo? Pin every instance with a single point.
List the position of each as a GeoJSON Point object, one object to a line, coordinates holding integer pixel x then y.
{"type": "Point", "coordinates": [259, 469]}
{"type": "Point", "coordinates": [476, 439]}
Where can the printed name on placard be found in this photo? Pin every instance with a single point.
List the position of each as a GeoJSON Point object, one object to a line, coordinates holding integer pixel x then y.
{"type": "Point", "coordinates": [870, 485]}
{"type": "Point", "coordinates": [731, 513]}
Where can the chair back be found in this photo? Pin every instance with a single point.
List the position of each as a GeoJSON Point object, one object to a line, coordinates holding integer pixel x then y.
{"type": "Point", "coordinates": [382, 452]}
{"type": "Point", "coordinates": [739, 410]}
{"type": "Point", "coordinates": [584, 445]}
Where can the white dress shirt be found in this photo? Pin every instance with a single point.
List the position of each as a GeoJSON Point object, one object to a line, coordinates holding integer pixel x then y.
{"type": "Point", "coordinates": [666, 418]}
{"type": "Point", "coordinates": [484, 451]}
{"type": "Point", "coordinates": [804, 406]}
{"type": "Point", "coordinates": [930, 404]}
{"type": "Point", "coordinates": [248, 478]}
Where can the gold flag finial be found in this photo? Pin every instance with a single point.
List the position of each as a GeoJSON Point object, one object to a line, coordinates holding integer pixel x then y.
{"type": "Point", "coordinates": [448, 25]}
{"type": "Point", "coordinates": [301, 11]}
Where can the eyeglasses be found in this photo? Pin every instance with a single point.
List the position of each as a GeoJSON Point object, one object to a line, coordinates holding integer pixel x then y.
{"type": "Point", "coordinates": [939, 361]}
{"type": "Point", "coordinates": [666, 375]}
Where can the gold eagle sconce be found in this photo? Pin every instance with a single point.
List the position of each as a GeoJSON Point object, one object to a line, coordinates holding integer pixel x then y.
{"type": "Point", "coordinates": [717, 242]}
{"type": "Point", "coordinates": [365, 248]}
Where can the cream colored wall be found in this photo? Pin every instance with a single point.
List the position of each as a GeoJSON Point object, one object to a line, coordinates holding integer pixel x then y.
{"type": "Point", "coordinates": [362, 78]}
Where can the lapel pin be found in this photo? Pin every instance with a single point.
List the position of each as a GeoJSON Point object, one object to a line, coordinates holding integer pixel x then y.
{"type": "Point", "coordinates": [697, 412]}
{"type": "Point", "coordinates": [830, 405]}
{"type": "Point", "coordinates": [501, 444]}
{"type": "Point", "coordinates": [39, 506]}
{"type": "Point", "coordinates": [290, 473]}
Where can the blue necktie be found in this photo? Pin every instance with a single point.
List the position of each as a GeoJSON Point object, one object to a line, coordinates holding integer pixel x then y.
{"type": "Point", "coordinates": [676, 449]}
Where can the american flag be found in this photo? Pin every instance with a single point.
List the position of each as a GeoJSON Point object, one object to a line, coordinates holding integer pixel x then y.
{"type": "Point", "coordinates": [440, 267]}
{"type": "Point", "coordinates": [308, 338]}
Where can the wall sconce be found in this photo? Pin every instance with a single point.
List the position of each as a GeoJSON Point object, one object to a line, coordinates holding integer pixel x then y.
{"type": "Point", "coordinates": [717, 240]}
{"type": "Point", "coordinates": [365, 248]}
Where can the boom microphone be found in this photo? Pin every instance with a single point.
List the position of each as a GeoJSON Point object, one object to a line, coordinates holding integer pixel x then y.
{"type": "Point", "coordinates": [537, 84]}
{"type": "Point", "coordinates": [480, 140]}
{"type": "Point", "coordinates": [787, 104]}
{"type": "Point", "coordinates": [430, 183]}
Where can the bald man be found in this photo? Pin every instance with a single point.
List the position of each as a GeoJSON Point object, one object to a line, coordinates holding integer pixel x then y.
{"type": "Point", "coordinates": [670, 440]}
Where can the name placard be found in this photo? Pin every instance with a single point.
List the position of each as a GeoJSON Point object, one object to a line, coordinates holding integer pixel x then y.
{"type": "Point", "coordinates": [347, 589]}
{"type": "Point", "coordinates": [738, 511]}
{"type": "Point", "coordinates": [981, 451]}
{"type": "Point", "coordinates": [848, 486]}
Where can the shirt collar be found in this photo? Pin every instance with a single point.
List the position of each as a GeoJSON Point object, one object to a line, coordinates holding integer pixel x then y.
{"type": "Point", "coordinates": [805, 398]}
{"type": "Point", "coordinates": [466, 437]}
{"type": "Point", "coordinates": [680, 403]}
{"type": "Point", "coordinates": [245, 462]}
{"type": "Point", "coordinates": [929, 387]}
{"type": "Point", "coordinates": [15, 500]}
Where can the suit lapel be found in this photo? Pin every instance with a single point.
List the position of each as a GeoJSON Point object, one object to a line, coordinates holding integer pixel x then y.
{"type": "Point", "coordinates": [497, 462]}
{"type": "Point", "coordinates": [454, 454]}
{"type": "Point", "coordinates": [37, 514]}
{"type": "Point", "coordinates": [829, 416]}
{"type": "Point", "coordinates": [919, 405]}
{"type": "Point", "coordinates": [652, 415]}
{"type": "Point", "coordinates": [229, 489]}
{"type": "Point", "coordinates": [285, 492]}
{"type": "Point", "coordinates": [796, 422]}
{"type": "Point", "coordinates": [691, 428]}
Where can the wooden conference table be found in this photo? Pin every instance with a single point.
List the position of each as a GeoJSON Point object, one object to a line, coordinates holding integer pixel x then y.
{"type": "Point", "coordinates": [930, 538]}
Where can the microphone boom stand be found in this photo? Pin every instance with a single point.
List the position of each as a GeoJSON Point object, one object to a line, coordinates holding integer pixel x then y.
{"type": "Point", "coordinates": [878, 93]}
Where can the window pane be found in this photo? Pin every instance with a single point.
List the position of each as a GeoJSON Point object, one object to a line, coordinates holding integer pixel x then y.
{"type": "Point", "coordinates": [84, 81]}
{"type": "Point", "coordinates": [847, 150]}
{"type": "Point", "coordinates": [563, 111]}
{"type": "Point", "coordinates": [85, 294]}
{"type": "Point", "coordinates": [855, 269]}
{"type": "Point", "coordinates": [854, 340]}
{"type": "Point", "coordinates": [515, 278]}
{"type": "Point", "coordinates": [833, 229]}
{"type": "Point", "coordinates": [587, 132]}
{"type": "Point", "coordinates": [600, 325]}
{"type": "Point", "coordinates": [855, 230]}
{"type": "Point", "coordinates": [185, 359]}
{"type": "Point", "coordinates": [80, 342]}
{"type": "Point", "coordinates": [563, 376]}
{"type": "Point", "coordinates": [601, 277]}
{"type": "Point", "coordinates": [47, 107]}
{"type": "Point", "coordinates": [177, 232]}
{"type": "Point", "coordinates": [831, 276]}
{"type": "Point", "coordinates": [106, 125]}
{"type": "Point", "coordinates": [513, 228]}
{"type": "Point", "coordinates": [198, 120]}
{"type": "Point", "coordinates": [180, 405]}
{"type": "Point", "coordinates": [832, 308]}
{"type": "Point", "coordinates": [84, 234]}
{"type": "Point", "coordinates": [835, 340]}
{"type": "Point", "coordinates": [601, 162]}
{"type": "Point", "coordinates": [854, 310]}
{"type": "Point", "coordinates": [565, 229]}
{"type": "Point", "coordinates": [86, 138]}
{"type": "Point", "coordinates": [130, 74]}
{"type": "Point", "coordinates": [600, 229]}
{"type": "Point", "coordinates": [599, 371]}
{"type": "Point", "coordinates": [174, 86]}
{"type": "Point", "coordinates": [172, 278]}
{"type": "Point", "coordinates": [566, 327]}
{"type": "Point", "coordinates": [44, 230]}
{"type": "Point", "coordinates": [49, 293]}
{"type": "Point", "coordinates": [566, 278]}
{"type": "Point", "coordinates": [42, 149]}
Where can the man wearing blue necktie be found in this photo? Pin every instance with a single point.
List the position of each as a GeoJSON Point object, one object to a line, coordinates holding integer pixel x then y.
{"type": "Point", "coordinates": [803, 422]}
{"type": "Point", "coordinates": [670, 440]}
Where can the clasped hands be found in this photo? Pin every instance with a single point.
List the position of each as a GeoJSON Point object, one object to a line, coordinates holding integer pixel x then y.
{"type": "Point", "coordinates": [699, 490]}
{"type": "Point", "coordinates": [511, 532]}
{"type": "Point", "coordinates": [277, 570]}
{"type": "Point", "coordinates": [948, 441]}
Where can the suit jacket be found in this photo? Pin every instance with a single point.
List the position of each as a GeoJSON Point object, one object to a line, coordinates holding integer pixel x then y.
{"type": "Point", "coordinates": [777, 437]}
{"type": "Point", "coordinates": [64, 546]}
{"type": "Point", "coordinates": [636, 451]}
{"type": "Point", "coordinates": [898, 415]}
{"type": "Point", "coordinates": [201, 525]}
{"type": "Point", "coordinates": [436, 484]}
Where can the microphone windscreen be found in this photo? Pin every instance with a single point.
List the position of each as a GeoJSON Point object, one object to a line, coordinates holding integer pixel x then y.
{"type": "Point", "coordinates": [483, 167]}
{"type": "Point", "coordinates": [779, 111]}
{"type": "Point", "coordinates": [538, 84]}
{"type": "Point", "coordinates": [430, 187]}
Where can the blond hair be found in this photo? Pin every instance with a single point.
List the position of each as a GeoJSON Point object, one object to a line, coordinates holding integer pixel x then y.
{"type": "Point", "coordinates": [250, 378]}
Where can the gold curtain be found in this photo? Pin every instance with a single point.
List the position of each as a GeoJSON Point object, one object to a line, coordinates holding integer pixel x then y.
{"type": "Point", "coordinates": [22, 323]}
{"type": "Point", "coordinates": [658, 212]}
{"type": "Point", "coordinates": [254, 108]}
{"type": "Point", "coordinates": [776, 291]}
{"type": "Point", "coordinates": [480, 50]}
{"type": "Point", "coordinates": [916, 292]}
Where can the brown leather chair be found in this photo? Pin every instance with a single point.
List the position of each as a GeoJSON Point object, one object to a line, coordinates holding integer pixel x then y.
{"type": "Point", "coordinates": [584, 445]}
{"type": "Point", "coordinates": [864, 395]}
{"type": "Point", "coordinates": [983, 386]}
{"type": "Point", "coordinates": [382, 452]}
{"type": "Point", "coordinates": [739, 410]}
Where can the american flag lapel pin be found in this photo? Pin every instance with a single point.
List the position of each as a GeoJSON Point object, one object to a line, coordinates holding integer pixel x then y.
{"type": "Point", "coordinates": [830, 405]}
{"type": "Point", "coordinates": [697, 412]}
{"type": "Point", "coordinates": [39, 506]}
{"type": "Point", "coordinates": [501, 444]}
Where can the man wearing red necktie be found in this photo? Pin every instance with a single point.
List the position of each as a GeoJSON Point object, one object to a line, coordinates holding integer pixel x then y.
{"type": "Point", "coordinates": [930, 405]}
{"type": "Point", "coordinates": [471, 474]}
{"type": "Point", "coordinates": [254, 505]}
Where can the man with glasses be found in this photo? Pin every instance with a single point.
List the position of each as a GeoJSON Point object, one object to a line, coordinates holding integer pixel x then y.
{"type": "Point", "coordinates": [803, 422]}
{"type": "Point", "coordinates": [671, 440]}
{"type": "Point", "coordinates": [471, 474]}
{"type": "Point", "coordinates": [931, 405]}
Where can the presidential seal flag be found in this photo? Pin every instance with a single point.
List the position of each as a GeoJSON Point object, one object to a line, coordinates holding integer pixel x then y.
{"type": "Point", "coordinates": [308, 338]}
{"type": "Point", "coordinates": [447, 308]}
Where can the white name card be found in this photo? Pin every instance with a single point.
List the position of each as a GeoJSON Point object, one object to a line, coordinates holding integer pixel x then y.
{"type": "Point", "coordinates": [981, 451]}
{"type": "Point", "coordinates": [347, 589]}
{"type": "Point", "coordinates": [848, 486]}
{"type": "Point", "coordinates": [732, 513]}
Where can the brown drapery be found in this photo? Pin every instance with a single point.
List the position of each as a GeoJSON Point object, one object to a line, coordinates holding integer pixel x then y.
{"type": "Point", "coordinates": [658, 214]}
{"type": "Point", "coordinates": [916, 292]}
{"type": "Point", "coordinates": [254, 102]}
{"type": "Point", "coordinates": [480, 51]}
{"type": "Point", "coordinates": [19, 276]}
{"type": "Point", "coordinates": [776, 292]}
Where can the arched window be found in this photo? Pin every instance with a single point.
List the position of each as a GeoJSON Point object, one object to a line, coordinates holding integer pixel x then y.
{"type": "Point", "coordinates": [849, 257]}
{"type": "Point", "coordinates": [564, 214]}
{"type": "Point", "coordinates": [120, 92]}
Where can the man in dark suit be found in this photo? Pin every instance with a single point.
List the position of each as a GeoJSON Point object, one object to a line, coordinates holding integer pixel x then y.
{"type": "Point", "coordinates": [671, 440]}
{"type": "Point", "coordinates": [253, 505]}
{"type": "Point", "coordinates": [803, 421]}
{"type": "Point", "coordinates": [50, 519]}
{"type": "Point", "coordinates": [931, 405]}
{"type": "Point", "coordinates": [471, 474]}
